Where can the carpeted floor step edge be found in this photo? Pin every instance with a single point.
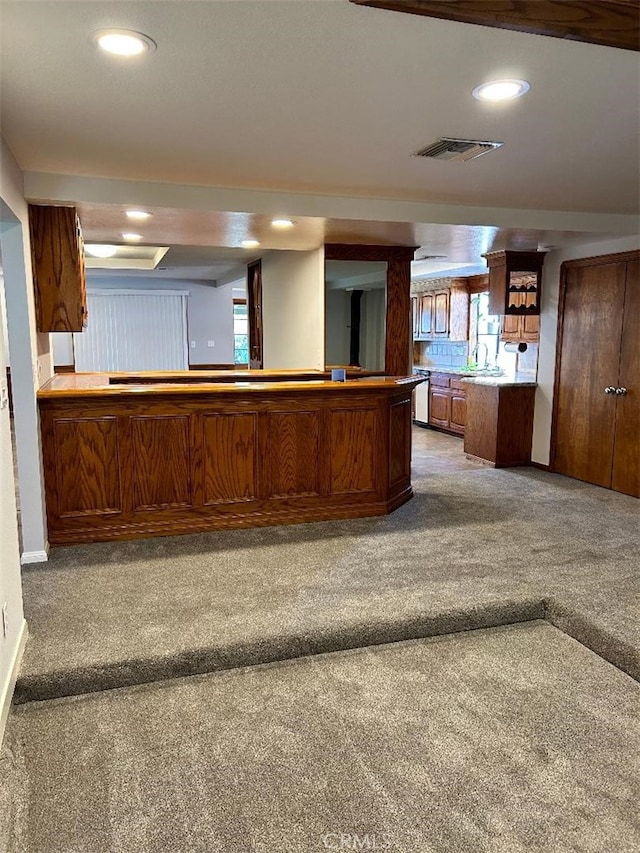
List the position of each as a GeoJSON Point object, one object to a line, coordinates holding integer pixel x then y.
{"type": "Point", "coordinates": [37, 687]}
{"type": "Point", "coordinates": [601, 641]}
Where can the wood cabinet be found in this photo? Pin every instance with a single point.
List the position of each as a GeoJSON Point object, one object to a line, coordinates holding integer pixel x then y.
{"type": "Point", "coordinates": [441, 314]}
{"type": "Point", "coordinates": [447, 403]}
{"type": "Point", "coordinates": [125, 462]}
{"type": "Point", "coordinates": [499, 426]}
{"type": "Point", "coordinates": [57, 254]}
{"type": "Point", "coordinates": [520, 329]}
{"type": "Point", "coordinates": [596, 420]}
{"type": "Point", "coordinates": [515, 282]}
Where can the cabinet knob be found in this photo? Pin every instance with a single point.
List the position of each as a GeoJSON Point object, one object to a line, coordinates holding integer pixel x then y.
{"type": "Point", "coordinates": [621, 392]}
{"type": "Point", "coordinates": [610, 390]}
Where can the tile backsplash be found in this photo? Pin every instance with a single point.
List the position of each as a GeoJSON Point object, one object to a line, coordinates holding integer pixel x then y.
{"type": "Point", "coordinates": [440, 353]}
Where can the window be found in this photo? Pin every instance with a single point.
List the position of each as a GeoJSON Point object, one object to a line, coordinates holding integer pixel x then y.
{"type": "Point", "coordinates": [240, 332]}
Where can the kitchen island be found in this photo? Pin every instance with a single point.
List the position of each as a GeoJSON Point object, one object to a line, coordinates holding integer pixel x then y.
{"type": "Point", "coordinates": [153, 454]}
{"type": "Point", "coordinates": [499, 426]}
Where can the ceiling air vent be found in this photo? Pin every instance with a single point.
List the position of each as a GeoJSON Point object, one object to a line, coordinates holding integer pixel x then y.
{"type": "Point", "coordinates": [457, 149]}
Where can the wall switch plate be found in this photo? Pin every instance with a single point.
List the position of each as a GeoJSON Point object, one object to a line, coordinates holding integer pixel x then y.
{"type": "Point", "coordinates": [193, 344]}
{"type": "Point", "coordinates": [211, 343]}
{"type": "Point", "coordinates": [4, 394]}
{"type": "Point", "coordinates": [5, 620]}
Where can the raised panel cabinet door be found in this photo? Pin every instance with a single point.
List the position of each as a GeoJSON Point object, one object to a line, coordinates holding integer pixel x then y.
{"type": "Point", "coordinates": [459, 303]}
{"type": "Point", "coordinates": [87, 478]}
{"type": "Point", "coordinates": [230, 454]}
{"type": "Point", "coordinates": [426, 315]}
{"type": "Point", "coordinates": [353, 447]}
{"type": "Point", "coordinates": [626, 450]}
{"type": "Point", "coordinates": [439, 407]}
{"type": "Point", "coordinates": [294, 453]}
{"type": "Point", "coordinates": [458, 414]}
{"type": "Point", "coordinates": [441, 313]}
{"type": "Point", "coordinates": [511, 328]}
{"type": "Point", "coordinates": [58, 268]}
{"type": "Point", "coordinates": [161, 462]}
{"type": "Point", "coordinates": [530, 327]}
{"type": "Point", "coordinates": [415, 317]}
{"type": "Point", "coordinates": [589, 363]}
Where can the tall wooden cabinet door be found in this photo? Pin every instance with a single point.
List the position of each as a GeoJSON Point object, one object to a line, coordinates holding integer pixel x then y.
{"type": "Point", "coordinates": [426, 315]}
{"type": "Point", "coordinates": [415, 317]}
{"type": "Point", "coordinates": [441, 314]}
{"type": "Point", "coordinates": [589, 359]}
{"type": "Point", "coordinates": [626, 450]}
{"type": "Point", "coordinates": [254, 312]}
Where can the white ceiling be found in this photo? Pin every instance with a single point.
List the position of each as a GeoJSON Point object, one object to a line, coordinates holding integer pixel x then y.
{"type": "Point", "coordinates": [319, 97]}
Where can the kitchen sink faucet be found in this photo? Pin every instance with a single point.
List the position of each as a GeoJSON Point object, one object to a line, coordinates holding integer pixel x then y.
{"type": "Point", "coordinates": [474, 355]}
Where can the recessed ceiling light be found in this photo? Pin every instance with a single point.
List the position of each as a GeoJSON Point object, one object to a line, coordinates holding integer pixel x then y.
{"type": "Point", "coordinates": [101, 251]}
{"type": "Point", "coordinates": [138, 215]}
{"type": "Point", "coordinates": [124, 42]}
{"type": "Point", "coordinates": [282, 223]}
{"type": "Point", "coordinates": [128, 235]}
{"type": "Point", "coordinates": [250, 244]}
{"type": "Point", "coordinates": [501, 90]}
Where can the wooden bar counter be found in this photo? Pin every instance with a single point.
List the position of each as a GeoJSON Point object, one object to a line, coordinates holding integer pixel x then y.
{"type": "Point", "coordinates": [149, 454]}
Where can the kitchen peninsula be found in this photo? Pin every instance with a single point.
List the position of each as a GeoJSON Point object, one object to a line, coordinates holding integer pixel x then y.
{"type": "Point", "coordinates": [154, 454]}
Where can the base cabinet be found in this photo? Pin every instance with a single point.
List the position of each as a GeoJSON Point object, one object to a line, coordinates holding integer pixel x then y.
{"type": "Point", "coordinates": [499, 427]}
{"type": "Point", "coordinates": [447, 403]}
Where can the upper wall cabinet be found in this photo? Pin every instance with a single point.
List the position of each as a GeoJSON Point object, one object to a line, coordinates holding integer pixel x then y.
{"type": "Point", "coordinates": [515, 282]}
{"type": "Point", "coordinates": [57, 254]}
{"type": "Point", "coordinates": [441, 314]}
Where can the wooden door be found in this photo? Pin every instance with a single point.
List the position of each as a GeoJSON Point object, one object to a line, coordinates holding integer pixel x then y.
{"type": "Point", "coordinates": [592, 305]}
{"type": "Point", "coordinates": [254, 313]}
{"type": "Point", "coordinates": [626, 449]}
{"type": "Point", "coordinates": [426, 315]}
{"type": "Point", "coordinates": [441, 314]}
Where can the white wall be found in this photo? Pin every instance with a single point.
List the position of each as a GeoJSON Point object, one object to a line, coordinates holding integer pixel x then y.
{"type": "Point", "coordinates": [548, 331]}
{"type": "Point", "coordinates": [10, 583]}
{"type": "Point", "coordinates": [29, 355]}
{"type": "Point", "coordinates": [293, 310]}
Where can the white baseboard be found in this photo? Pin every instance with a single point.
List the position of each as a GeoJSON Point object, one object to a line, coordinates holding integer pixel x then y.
{"type": "Point", "coordinates": [35, 556]}
{"type": "Point", "coordinates": [10, 682]}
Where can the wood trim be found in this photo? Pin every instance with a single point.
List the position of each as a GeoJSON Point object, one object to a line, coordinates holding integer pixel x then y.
{"type": "Point", "coordinates": [398, 324]}
{"type": "Point", "coordinates": [596, 260]}
{"type": "Point", "coordinates": [553, 445]}
{"type": "Point", "coordinates": [613, 23]}
{"type": "Point", "coordinates": [540, 466]}
{"type": "Point", "coordinates": [64, 368]}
